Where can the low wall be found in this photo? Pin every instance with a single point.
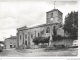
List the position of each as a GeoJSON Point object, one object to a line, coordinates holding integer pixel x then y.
{"type": "Point", "coordinates": [68, 42]}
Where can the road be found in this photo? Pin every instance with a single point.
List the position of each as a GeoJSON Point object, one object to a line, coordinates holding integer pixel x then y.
{"type": "Point", "coordinates": [38, 52]}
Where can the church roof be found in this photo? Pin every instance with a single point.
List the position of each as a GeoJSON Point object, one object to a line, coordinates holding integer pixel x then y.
{"type": "Point", "coordinates": [36, 26]}
{"type": "Point", "coordinates": [55, 10]}
{"type": "Point", "coordinates": [21, 28]}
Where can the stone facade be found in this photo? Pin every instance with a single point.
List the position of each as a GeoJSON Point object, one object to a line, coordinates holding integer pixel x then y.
{"type": "Point", "coordinates": [60, 32]}
{"type": "Point", "coordinates": [10, 42]}
{"type": "Point", "coordinates": [54, 16]}
{"type": "Point", "coordinates": [26, 35]}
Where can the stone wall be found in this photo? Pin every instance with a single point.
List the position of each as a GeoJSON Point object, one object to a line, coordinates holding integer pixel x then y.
{"type": "Point", "coordinates": [68, 42]}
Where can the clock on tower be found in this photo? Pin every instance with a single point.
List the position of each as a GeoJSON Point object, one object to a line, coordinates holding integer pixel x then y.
{"type": "Point", "coordinates": [54, 16]}
{"type": "Point", "coordinates": [51, 19]}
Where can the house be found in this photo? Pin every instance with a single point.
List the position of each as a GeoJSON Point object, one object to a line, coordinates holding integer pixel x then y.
{"type": "Point", "coordinates": [10, 42]}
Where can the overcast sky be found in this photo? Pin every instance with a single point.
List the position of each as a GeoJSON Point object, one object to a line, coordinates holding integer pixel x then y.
{"type": "Point", "coordinates": [30, 13]}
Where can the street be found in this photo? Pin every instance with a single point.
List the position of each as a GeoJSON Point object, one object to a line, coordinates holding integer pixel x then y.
{"type": "Point", "coordinates": [39, 52]}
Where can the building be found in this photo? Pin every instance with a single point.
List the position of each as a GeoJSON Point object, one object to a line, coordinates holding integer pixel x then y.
{"type": "Point", "coordinates": [26, 35]}
{"type": "Point", "coordinates": [10, 42]}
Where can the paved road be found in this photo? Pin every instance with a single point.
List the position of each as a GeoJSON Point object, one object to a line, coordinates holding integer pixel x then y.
{"type": "Point", "coordinates": [39, 52]}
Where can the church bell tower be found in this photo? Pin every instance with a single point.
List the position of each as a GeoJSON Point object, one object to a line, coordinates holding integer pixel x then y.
{"type": "Point", "coordinates": [54, 16]}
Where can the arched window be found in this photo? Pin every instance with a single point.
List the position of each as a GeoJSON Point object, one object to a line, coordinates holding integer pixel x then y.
{"type": "Point", "coordinates": [48, 30]}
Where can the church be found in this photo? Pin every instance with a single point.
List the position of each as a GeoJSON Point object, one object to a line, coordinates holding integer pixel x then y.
{"type": "Point", "coordinates": [26, 35]}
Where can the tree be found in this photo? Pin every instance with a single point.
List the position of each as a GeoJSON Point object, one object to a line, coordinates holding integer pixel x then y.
{"type": "Point", "coordinates": [54, 30]}
{"type": "Point", "coordinates": [71, 24]}
{"type": "Point", "coordinates": [1, 42]}
{"type": "Point", "coordinates": [54, 37]}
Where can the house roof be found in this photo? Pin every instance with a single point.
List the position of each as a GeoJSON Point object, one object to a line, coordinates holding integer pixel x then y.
{"type": "Point", "coordinates": [12, 37]}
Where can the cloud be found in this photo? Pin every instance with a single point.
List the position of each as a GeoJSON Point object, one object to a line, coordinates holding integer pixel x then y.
{"type": "Point", "coordinates": [17, 14]}
{"type": "Point", "coordinates": [61, 3]}
{"type": "Point", "coordinates": [67, 9]}
{"type": "Point", "coordinates": [6, 33]}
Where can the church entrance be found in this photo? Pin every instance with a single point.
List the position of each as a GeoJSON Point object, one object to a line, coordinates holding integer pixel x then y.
{"type": "Point", "coordinates": [26, 43]}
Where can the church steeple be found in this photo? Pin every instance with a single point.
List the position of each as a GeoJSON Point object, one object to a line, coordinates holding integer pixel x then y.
{"type": "Point", "coordinates": [54, 16]}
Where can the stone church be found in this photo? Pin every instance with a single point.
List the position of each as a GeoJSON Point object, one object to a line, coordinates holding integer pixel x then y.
{"type": "Point", "coordinates": [26, 35]}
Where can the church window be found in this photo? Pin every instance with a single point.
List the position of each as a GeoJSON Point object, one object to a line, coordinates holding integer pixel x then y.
{"type": "Point", "coordinates": [35, 33]}
{"type": "Point", "coordinates": [31, 35]}
{"type": "Point", "coordinates": [20, 36]}
{"type": "Point", "coordinates": [38, 34]}
{"type": "Point", "coordinates": [28, 40]}
{"type": "Point", "coordinates": [25, 42]}
{"type": "Point", "coordinates": [48, 30]}
{"type": "Point", "coordinates": [51, 15]}
{"type": "Point", "coordinates": [25, 36]}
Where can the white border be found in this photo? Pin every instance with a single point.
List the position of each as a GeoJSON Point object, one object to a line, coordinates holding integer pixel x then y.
{"type": "Point", "coordinates": [60, 58]}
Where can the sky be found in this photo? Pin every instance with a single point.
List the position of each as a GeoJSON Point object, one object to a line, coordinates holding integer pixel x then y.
{"type": "Point", "coordinates": [17, 14]}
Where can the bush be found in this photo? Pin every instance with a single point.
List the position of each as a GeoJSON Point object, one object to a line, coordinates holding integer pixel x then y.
{"type": "Point", "coordinates": [70, 37]}
{"type": "Point", "coordinates": [57, 37]}
{"type": "Point", "coordinates": [59, 46]}
{"type": "Point", "coordinates": [54, 37]}
{"type": "Point", "coordinates": [38, 40]}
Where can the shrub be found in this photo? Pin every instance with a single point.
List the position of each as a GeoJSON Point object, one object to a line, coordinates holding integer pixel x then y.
{"type": "Point", "coordinates": [54, 37]}
{"type": "Point", "coordinates": [57, 37]}
{"type": "Point", "coordinates": [38, 40]}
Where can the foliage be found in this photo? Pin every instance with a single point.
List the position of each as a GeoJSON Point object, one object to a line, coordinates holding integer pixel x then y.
{"type": "Point", "coordinates": [54, 37]}
{"type": "Point", "coordinates": [38, 40]}
{"type": "Point", "coordinates": [1, 42]}
{"type": "Point", "coordinates": [71, 24]}
{"type": "Point", "coordinates": [54, 31]}
{"type": "Point", "coordinates": [57, 37]}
